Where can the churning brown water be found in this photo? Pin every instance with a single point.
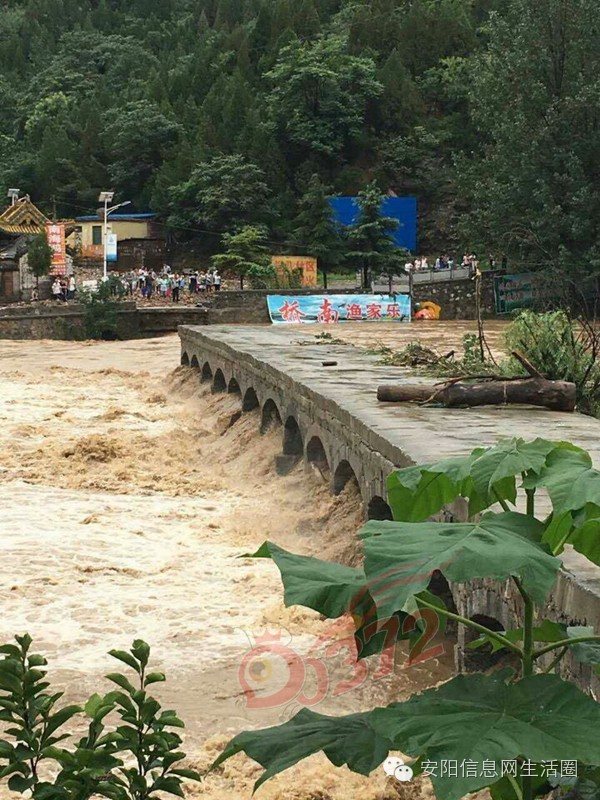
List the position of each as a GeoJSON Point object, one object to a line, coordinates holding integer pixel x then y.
{"type": "Point", "coordinates": [128, 494]}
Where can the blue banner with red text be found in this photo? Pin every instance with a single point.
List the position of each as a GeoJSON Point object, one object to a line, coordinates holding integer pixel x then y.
{"type": "Point", "coordinates": [332, 308]}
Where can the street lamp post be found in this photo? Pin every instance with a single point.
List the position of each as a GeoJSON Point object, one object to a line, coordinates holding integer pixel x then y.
{"type": "Point", "coordinates": [106, 198]}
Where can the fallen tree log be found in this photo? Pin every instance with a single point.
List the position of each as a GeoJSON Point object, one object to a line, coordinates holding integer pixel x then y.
{"type": "Point", "coordinates": [555, 395]}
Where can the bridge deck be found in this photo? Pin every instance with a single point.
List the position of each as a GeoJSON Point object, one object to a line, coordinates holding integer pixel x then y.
{"type": "Point", "coordinates": [421, 434]}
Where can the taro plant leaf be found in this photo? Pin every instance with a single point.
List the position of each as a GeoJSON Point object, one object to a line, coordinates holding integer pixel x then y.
{"type": "Point", "coordinates": [570, 479]}
{"type": "Point", "coordinates": [509, 458]}
{"type": "Point", "coordinates": [482, 717]}
{"type": "Point", "coordinates": [586, 652]}
{"type": "Point", "coordinates": [557, 531]}
{"type": "Point", "coordinates": [548, 631]}
{"type": "Point", "coordinates": [401, 557]}
{"type": "Point", "coordinates": [586, 540]}
{"type": "Point", "coordinates": [329, 588]}
{"type": "Point", "coordinates": [416, 493]}
{"type": "Point", "coordinates": [475, 717]}
{"type": "Point", "coordinates": [347, 740]}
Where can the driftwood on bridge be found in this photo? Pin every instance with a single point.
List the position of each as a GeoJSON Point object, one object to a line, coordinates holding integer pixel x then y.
{"type": "Point", "coordinates": [555, 395]}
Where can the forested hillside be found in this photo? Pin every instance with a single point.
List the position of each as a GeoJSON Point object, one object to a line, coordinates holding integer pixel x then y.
{"type": "Point", "coordinates": [218, 112]}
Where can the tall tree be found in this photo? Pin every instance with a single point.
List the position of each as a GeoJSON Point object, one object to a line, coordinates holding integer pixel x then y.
{"type": "Point", "coordinates": [221, 195]}
{"type": "Point", "coordinates": [532, 185]}
{"type": "Point", "coordinates": [245, 255]}
{"type": "Point", "coordinates": [371, 237]}
{"type": "Point", "coordinates": [39, 256]}
{"type": "Point", "coordinates": [138, 138]}
{"type": "Point", "coordinates": [316, 233]}
{"type": "Point", "coordinates": [320, 94]}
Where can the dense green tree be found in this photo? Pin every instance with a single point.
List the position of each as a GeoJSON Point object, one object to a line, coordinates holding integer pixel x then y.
{"type": "Point", "coordinates": [221, 195]}
{"type": "Point", "coordinates": [319, 95]}
{"type": "Point", "coordinates": [316, 232]}
{"type": "Point", "coordinates": [485, 110]}
{"type": "Point", "coordinates": [137, 139]}
{"type": "Point", "coordinates": [372, 247]}
{"type": "Point", "coordinates": [533, 186]}
{"type": "Point", "coordinates": [39, 256]}
{"type": "Point", "coordinates": [245, 255]}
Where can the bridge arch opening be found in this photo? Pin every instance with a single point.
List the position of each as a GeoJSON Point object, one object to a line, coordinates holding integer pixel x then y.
{"type": "Point", "coordinates": [292, 439]}
{"type": "Point", "coordinates": [316, 455]}
{"type": "Point", "coordinates": [270, 416]}
{"type": "Point", "coordinates": [194, 364]}
{"type": "Point", "coordinates": [439, 586]}
{"type": "Point", "coordinates": [344, 474]}
{"type": "Point", "coordinates": [250, 401]}
{"type": "Point", "coordinates": [206, 374]}
{"type": "Point", "coordinates": [379, 509]}
{"type": "Point", "coordinates": [185, 359]}
{"type": "Point", "coordinates": [219, 382]}
{"type": "Point", "coordinates": [234, 387]}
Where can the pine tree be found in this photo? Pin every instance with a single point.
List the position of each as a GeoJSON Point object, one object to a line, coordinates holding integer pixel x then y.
{"type": "Point", "coordinates": [372, 246]}
{"type": "Point", "coordinates": [316, 232]}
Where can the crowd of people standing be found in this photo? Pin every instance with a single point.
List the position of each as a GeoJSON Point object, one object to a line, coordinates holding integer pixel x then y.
{"type": "Point", "coordinates": [167, 284]}
{"type": "Point", "coordinates": [63, 289]}
{"type": "Point", "coordinates": [469, 261]}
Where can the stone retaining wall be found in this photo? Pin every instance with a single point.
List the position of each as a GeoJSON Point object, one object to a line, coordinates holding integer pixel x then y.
{"type": "Point", "coordinates": [456, 298]}
{"type": "Point", "coordinates": [62, 321]}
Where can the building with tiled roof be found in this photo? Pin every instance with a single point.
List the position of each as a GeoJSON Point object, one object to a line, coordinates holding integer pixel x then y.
{"type": "Point", "coordinates": [23, 218]}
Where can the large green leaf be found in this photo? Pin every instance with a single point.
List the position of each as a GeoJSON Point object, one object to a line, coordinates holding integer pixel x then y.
{"type": "Point", "coordinates": [416, 493]}
{"type": "Point", "coordinates": [333, 590]}
{"type": "Point", "coordinates": [401, 557]}
{"type": "Point", "coordinates": [347, 740]}
{"type": "Point", "coordinates": [586, 540]}
{"type": "Point", "coordinates": [329, 588]}
{"type": "Point", "coordinates": [586, 652]}
{"type": "Point", "coordinates": [482, 718]}
{"type": "Point", "coordinates": [472, 718]}
{"type": "Point", "coordinates": [509, 458]}
{"type": "Point", "coordinates": [570, 479]}
{"type": "Point", "coordinates": [417, 624]}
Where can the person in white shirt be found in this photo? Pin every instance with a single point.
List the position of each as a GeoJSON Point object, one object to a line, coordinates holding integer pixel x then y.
{"type": "Point", "coordinates": [217, 281]}
{"type": "Point", "coordinates": [72, 288]}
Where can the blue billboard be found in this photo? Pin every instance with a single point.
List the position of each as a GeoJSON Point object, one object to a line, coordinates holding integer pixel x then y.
{"type": "Point", "coordinates": [332, 308]}
{"type": "Point", "coordinates": [404, 209]}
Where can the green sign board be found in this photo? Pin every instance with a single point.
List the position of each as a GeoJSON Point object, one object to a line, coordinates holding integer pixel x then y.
{"type": "Point", "coordinates": [514, 292]}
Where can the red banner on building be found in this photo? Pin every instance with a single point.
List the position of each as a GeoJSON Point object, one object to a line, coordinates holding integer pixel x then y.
{"type": "Point", "coordinates": [55, 232]}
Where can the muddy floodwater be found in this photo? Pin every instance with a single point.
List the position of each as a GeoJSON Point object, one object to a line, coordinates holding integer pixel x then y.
{"type": "Point", "coordinates": [129, 493]}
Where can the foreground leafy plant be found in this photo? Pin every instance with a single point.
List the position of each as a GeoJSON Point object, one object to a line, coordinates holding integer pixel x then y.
{"type": "Point", "coordinates": [508, 716]}
{"type": "Point", "coordinates": [98, 764]}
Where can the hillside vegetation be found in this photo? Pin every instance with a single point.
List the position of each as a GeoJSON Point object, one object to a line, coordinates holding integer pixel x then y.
{"type": "Point", "coordinates": [217, 113]}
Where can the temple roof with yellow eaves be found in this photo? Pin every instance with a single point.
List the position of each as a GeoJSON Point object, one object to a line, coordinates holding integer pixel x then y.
{"type": "Point", "coordinates": [23, 218]}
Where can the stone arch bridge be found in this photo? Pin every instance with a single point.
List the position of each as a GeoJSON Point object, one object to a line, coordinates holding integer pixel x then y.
{"type": "Point", "coordinates": [322, 394]}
